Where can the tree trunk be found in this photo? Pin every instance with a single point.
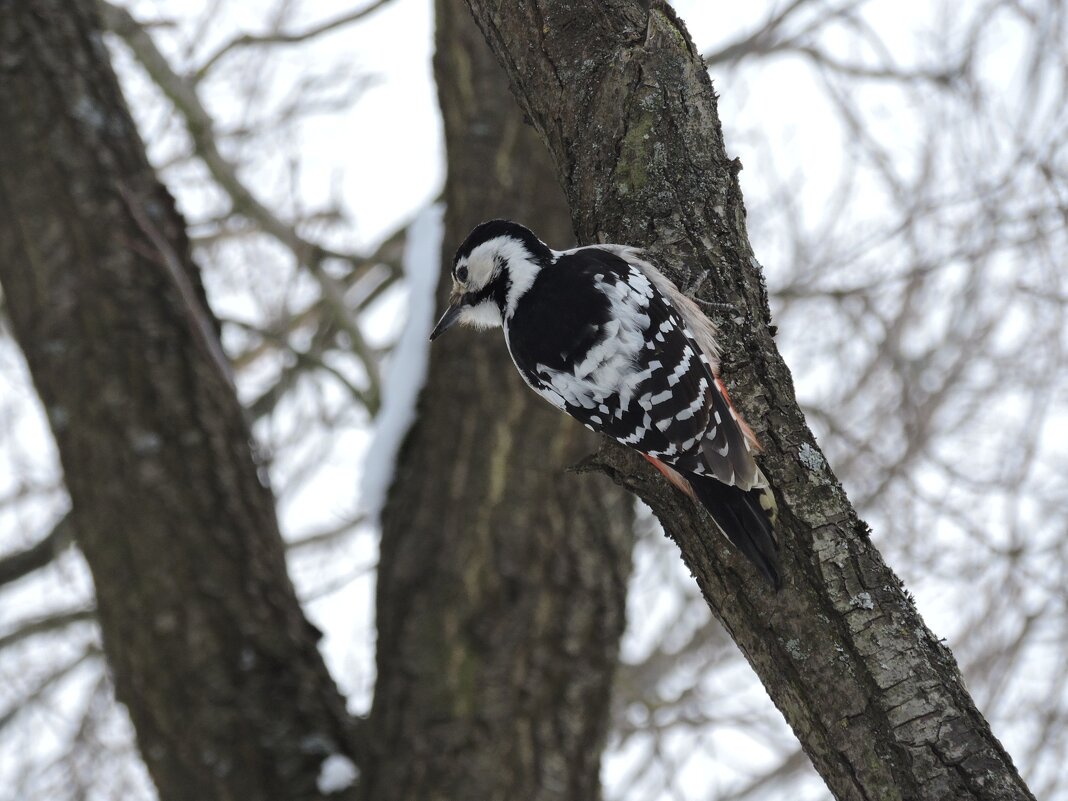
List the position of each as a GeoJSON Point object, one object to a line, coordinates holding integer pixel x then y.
{"type": "Point", "coordinates": [501, 583]}
{"type": "Point", "coordinates": [202, 630]}
{"type": "Point", "coordinates": [625, 104]}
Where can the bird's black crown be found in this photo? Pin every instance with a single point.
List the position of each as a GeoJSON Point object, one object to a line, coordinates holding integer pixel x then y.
{"type": "Point", "coordinates": [491, 229]}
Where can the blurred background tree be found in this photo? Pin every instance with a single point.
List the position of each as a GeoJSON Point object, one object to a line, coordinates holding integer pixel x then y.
{"type": "Point", "coordinates": [501, 585]}
{"type": "Point", "coordinates": [907, 191]}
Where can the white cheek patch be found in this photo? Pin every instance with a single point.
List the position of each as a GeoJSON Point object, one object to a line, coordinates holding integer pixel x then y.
{"type": "Point", "coordinates": [481, 265]}
{"type": "Point", "coordinates": [502, 252]}
{"type": "Point", "coordinates": [483, 315]}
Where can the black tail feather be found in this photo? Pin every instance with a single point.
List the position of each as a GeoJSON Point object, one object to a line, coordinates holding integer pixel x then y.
{"type": "Point", "coordinates": [744, 521]}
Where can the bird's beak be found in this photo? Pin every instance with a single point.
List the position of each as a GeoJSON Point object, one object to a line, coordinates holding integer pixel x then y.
{"type": "Point", "coordinates": [451, 316]}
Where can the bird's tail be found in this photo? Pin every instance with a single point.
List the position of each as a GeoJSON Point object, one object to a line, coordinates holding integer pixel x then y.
{"type": "Point", "coordinates": [747, 518]}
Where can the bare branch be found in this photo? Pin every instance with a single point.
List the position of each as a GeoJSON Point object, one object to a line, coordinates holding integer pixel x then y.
{"type": "Point", "coordinates": [17, 565]}
{"type": "Point", "coordinates": [42, 687]}
{"type": "Point", "coordinates": [46, 624]}
{"type": "Point", "coordinates": [182, 93]}
{"type": "Point", "coordinates": [279, 37]}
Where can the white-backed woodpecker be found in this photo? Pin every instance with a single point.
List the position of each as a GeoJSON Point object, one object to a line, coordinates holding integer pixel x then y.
{"type": "Point", "coordinates": [604, 336]}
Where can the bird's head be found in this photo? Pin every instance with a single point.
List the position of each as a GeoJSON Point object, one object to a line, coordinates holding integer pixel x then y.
{"type": "Point", "coordinates": [494, 266]}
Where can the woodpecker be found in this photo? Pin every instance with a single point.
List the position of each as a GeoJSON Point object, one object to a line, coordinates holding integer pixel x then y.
{"type": "Point", "coordinates": [604, 336]}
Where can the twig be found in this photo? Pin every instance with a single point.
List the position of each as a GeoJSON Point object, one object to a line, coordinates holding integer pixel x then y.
{"type": "Point", "coordinates": [22, 563]}
{"type": "Point", "coordinates": [45, 624]}
{"type": "Point", "coordinates": [278, 37]}
{"type": "Point", "coordinates": [45, 684]}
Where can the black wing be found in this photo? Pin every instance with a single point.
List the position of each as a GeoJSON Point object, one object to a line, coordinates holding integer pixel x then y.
{"type": "Point", "coordinates": [598, 340]}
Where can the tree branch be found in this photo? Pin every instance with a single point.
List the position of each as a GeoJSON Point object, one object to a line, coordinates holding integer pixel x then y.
{"type": "Point", "coordinates": [182, 93]}
{"type": "Point", "coordinates": [43, 685]}
{"type": "Point", "coordinates": [201, 626]}
{"type": "Point", "coordinates": [16, 565]}
{"type": "Point", "coordinates": [875, 698]}
{"type": "Point", "coordinates": [25, 629]}
{"type": "Point", "coordinates": [278, 37]}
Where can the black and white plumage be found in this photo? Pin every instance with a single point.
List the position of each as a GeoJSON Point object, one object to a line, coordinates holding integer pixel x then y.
{"type": "Point", "coordinates": [601, 334]}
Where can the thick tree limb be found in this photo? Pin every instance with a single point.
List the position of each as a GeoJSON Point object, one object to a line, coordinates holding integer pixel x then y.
{"type": "Point", "coordinates": [502, 580]}
{"type": "Point", "coordinates": [625, 105]}
{"type": "Point", "coordinates": [200, 624]}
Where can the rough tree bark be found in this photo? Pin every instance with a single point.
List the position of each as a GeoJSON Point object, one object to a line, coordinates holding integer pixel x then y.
{"type": "Point", "coordinates": [624, 102]}
{"type": "Point", "coordinates": [202, 630]}
{"type": "Point", "coordinates": [501, 583]}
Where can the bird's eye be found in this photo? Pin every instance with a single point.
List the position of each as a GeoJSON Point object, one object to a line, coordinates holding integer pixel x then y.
{"type": "Point", "coordinates": [461, 274]}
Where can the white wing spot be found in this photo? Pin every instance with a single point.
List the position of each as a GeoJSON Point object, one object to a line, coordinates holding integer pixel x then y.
{"type": "Point", "coordinates": [691, 410]}
{"type": "Point", "coordinates": [680, 370]}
